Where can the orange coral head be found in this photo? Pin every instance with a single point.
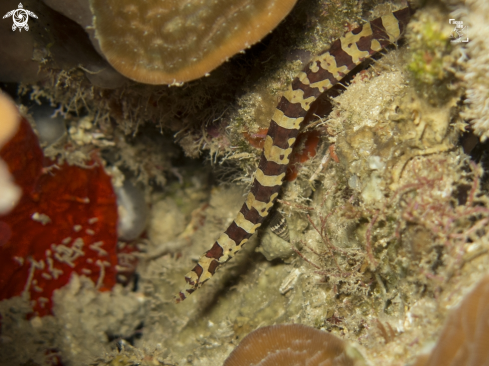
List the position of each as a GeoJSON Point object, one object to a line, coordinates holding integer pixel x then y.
{"type": "Point", "coordinates": [289, 344]}
{"type": "Point", "coordinates": [172, 41]}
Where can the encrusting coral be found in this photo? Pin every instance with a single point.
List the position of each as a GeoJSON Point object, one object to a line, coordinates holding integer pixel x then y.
{"type": "Point", "coordinates": [292, 344]}
{"type": "Point", "coordinates": [463, 341]}
{"type": "Point", "coordinates": [465, 338]}
{"type": "Point", "coordinates": [167, 42]}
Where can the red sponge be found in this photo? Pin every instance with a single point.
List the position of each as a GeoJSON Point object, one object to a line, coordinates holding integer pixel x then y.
{"type": "Point", "coordinates": [65, 222]}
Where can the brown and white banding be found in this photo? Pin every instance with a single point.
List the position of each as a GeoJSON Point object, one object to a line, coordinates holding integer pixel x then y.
{"type": "Point", "coordinates": [323, 72]}
{"type": "Point", "coordinates": [278, 226]}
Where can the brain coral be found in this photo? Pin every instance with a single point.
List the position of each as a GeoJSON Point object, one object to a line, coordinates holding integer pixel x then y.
{"type": "Point", "coordinates": [290, 344]}
{"type": "Point", "coordinates": [172, 41]}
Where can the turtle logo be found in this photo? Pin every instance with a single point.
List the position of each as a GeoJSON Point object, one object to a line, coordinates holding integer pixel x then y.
{"type": "Point", "coordinates": [20, 17]}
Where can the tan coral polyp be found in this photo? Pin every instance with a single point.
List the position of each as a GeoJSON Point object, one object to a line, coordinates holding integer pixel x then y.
{"type": "Point", "coordinates": [287, 345]}
{"type": "Point", "coordinates": [153, 42]}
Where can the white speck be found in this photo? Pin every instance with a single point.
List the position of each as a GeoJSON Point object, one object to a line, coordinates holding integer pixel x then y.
{"type": "Point", "coordinates": [42, 218]}
{"type": "Point", "coordinates": [102, 266]}
{"type": "Point", "coordinates": [68, 255]}
{"type": "Point", "coordinates": [96, 247]}
{"type": "Point", "coordinates": [375, 163]}
{"type": "Point", "coordinates": [55, 272]}
{"type": "Point", "coordinates": [37, 288]}
{"type": "Point", "coordinates": [353, 182]}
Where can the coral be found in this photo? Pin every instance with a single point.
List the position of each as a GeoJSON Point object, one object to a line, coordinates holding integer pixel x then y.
{"type": "Point", "coordinates": [64, 223]}
{"type": "Point", "coordinates": [86, 323]}
{"type": "Point", "coordinates": [190, 111]}
{"type": "Point", "coordinates": [291, 344]}
{"type": "Point", "coordinates": [168, 43]}
{"type": "Point", "coordinates": [9, 123]}
{"type": "Point", "coordinates": [133, 356]}
{"type": "Point", "coordinates": [27, 340]}
{"type": "Point", "coordinates": [109, 317]}
{"type": "Point", "coordinates": [463, 339]}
